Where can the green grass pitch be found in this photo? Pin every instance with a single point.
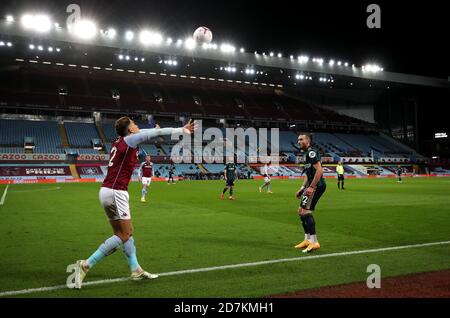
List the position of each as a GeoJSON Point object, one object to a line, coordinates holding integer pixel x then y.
{"type": "Point", "coordinates": [186, 226]}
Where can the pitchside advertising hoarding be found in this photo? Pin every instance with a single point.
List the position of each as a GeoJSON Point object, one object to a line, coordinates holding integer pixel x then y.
{"type": "Point", "coordinates": [32, 156]}
{"type": "Point", "coordinates": [93, 157]}
{"type": "Point", "coordinates": [34, 171]}
{"type": "Point", "coordinates": [50, 157]}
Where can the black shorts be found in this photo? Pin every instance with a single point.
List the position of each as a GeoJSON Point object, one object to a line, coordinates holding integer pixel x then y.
{"type": "Point", "coordinates": [340, 177]}
{"type": "Point", "coordinates": [230, 182]}
{"type": "Point", "coordinates": [309, 203]}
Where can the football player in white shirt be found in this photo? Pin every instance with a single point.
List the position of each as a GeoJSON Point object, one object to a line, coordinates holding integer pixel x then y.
{"type": "Point", "coordinates": [265, 172]}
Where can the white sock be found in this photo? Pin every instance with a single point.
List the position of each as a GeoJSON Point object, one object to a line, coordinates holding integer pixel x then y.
{"type": "Point", "coordinates": [313, 239]}
{"type": "Point", "coordinates": [306, 237]}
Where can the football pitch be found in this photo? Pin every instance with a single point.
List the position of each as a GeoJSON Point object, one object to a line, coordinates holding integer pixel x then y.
{"type": "Point", "coordinates": [207, 247]}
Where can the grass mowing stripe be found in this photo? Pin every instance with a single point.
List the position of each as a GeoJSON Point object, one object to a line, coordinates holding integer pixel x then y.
{"type": "Point", "coordinates": [2, 201]}
{"type": "Point", "coordinates": [223, 267]}
{"type": "Point", "coordinates": [37, 190]}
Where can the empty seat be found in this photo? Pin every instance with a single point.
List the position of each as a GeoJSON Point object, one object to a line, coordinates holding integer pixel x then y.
{"type": "Point", "coordinates": [81, 134]}
{"type": "Point", "coordinates": [45, 133]}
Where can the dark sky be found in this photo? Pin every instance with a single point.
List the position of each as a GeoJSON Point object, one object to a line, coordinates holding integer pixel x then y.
{"type": "Point", "coordinates": [411, 39]}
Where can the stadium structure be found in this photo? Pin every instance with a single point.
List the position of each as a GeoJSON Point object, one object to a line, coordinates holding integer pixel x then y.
{"type": "Point", "coordinates": [61, 91]}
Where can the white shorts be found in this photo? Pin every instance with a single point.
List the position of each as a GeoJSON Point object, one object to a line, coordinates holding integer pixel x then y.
{"type": "Point", "coordinates": [146, 181]}
{"type": "Point", "coordinates": [266, 179]}
{"type": "Point", "coordinates": [115, 203]}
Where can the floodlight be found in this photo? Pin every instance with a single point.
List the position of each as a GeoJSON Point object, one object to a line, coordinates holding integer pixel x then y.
{"type": "Point", "coordinates": [85, 29]}
{"type": "Point", "coordinates": [129, 35]}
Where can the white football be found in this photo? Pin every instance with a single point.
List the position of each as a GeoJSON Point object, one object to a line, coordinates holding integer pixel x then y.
{"type": "Point", "coordinates": [202, 35]}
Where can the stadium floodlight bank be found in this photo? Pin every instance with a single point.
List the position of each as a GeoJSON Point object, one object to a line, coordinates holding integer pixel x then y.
{"type": "Point", "coordinates": [152, 42]}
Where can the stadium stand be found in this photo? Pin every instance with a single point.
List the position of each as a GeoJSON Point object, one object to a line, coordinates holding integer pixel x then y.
{"type": "Point", "coordinates": [360, 145]}
{"type": "Point", "coordinates": [44, 133]}
{"type": "Point", "coordinates": [288, 141]}
{"type": "Point", "coordinates": [44, 150]}
{"type": "Point", "coordinates": [440, 170]}
{"type": "Point", "coordinates": [93, 91]}
{"type": "Point", "coordinates": [108, 148]}
{"type": "Point", "coordinates": [11, 150]}
{"type": "Point", "coordinates": [110, 132]}
{"type": "Point", "coordinates": [180, 169]}
{"type": "Point", "coordinates": [214, 168]}
{"type": "Point", "coordinates": [81, 134]}
{"type": "Point", "coordinates": [167, 149]}
{"type": "Point", "coordinates": [82, 151]}
{"type": "Point", "coordinates": [32, 86]}
{"type": "Point", "coordinates": [151, 150]}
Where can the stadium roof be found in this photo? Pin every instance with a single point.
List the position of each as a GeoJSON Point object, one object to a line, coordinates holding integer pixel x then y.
{"type": "Point", "coordinates": [301, 63]}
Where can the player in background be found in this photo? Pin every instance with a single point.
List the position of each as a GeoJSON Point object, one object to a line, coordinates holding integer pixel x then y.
{"type": "Point", "coordinates": [171, 173]}
{"type": "Point", "coordinates": [310, 192]}
{"type": "Point", "coordinates": [340, 175]}
{"type": "Point", "coordinates": [399, 173]}
{"type": "Point", "coordinates": [230, 175]}
{"type": "Point", "coordinates": [145, 175]}
{"type": "Point", "coordinates": [265, 172]}
{"type": "Point", "coordinates": [115, 199]}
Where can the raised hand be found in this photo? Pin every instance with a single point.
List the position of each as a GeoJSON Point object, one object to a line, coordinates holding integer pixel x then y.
{"type": "Point", "coordinates": [190, 127]}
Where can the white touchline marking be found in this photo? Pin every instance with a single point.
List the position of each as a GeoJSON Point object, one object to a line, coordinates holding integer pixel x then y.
{"type": "Point", "coordinates": [2, 201]}
{"type": "Point", "coordinates": [215, 268]}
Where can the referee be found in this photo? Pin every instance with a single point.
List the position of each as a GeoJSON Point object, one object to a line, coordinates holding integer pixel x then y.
{"type": "Point", "coordinates": [340, 175]}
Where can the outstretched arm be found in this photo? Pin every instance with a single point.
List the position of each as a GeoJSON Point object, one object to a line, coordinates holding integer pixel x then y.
{"type": "Point", "coordinates": [146, 134]}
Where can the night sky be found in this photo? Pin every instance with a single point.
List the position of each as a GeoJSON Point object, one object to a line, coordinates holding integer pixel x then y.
{"type": "Point", "coordinates": [411, 39]}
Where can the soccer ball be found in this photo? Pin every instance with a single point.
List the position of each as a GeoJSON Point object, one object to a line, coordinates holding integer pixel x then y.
{"type": "Point", "coordinates": [202, 35]}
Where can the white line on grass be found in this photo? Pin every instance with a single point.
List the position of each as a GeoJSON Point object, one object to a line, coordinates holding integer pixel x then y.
{"type": "Point", "coordinates": [2, 201]}
{"type": "Point", "coordinates": [215, 268]}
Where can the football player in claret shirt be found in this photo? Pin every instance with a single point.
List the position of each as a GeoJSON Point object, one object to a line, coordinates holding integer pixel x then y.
{"type": "Point", "coordinates": [114, 195]}
{"type": "Point", "coordinates": [309, 194]}
{"type": "Point", "coordinates": [145, 175]}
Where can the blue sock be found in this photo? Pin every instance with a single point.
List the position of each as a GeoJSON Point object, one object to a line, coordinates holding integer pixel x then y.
{"type": "Point", "coordinates": [268, 187]}
{"type": "Point", "coordinates": [107, 248]}
{"type": "Point", "coordinates": [144, 192]}
{"type": "Point", "coordinates": [130, 253]}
